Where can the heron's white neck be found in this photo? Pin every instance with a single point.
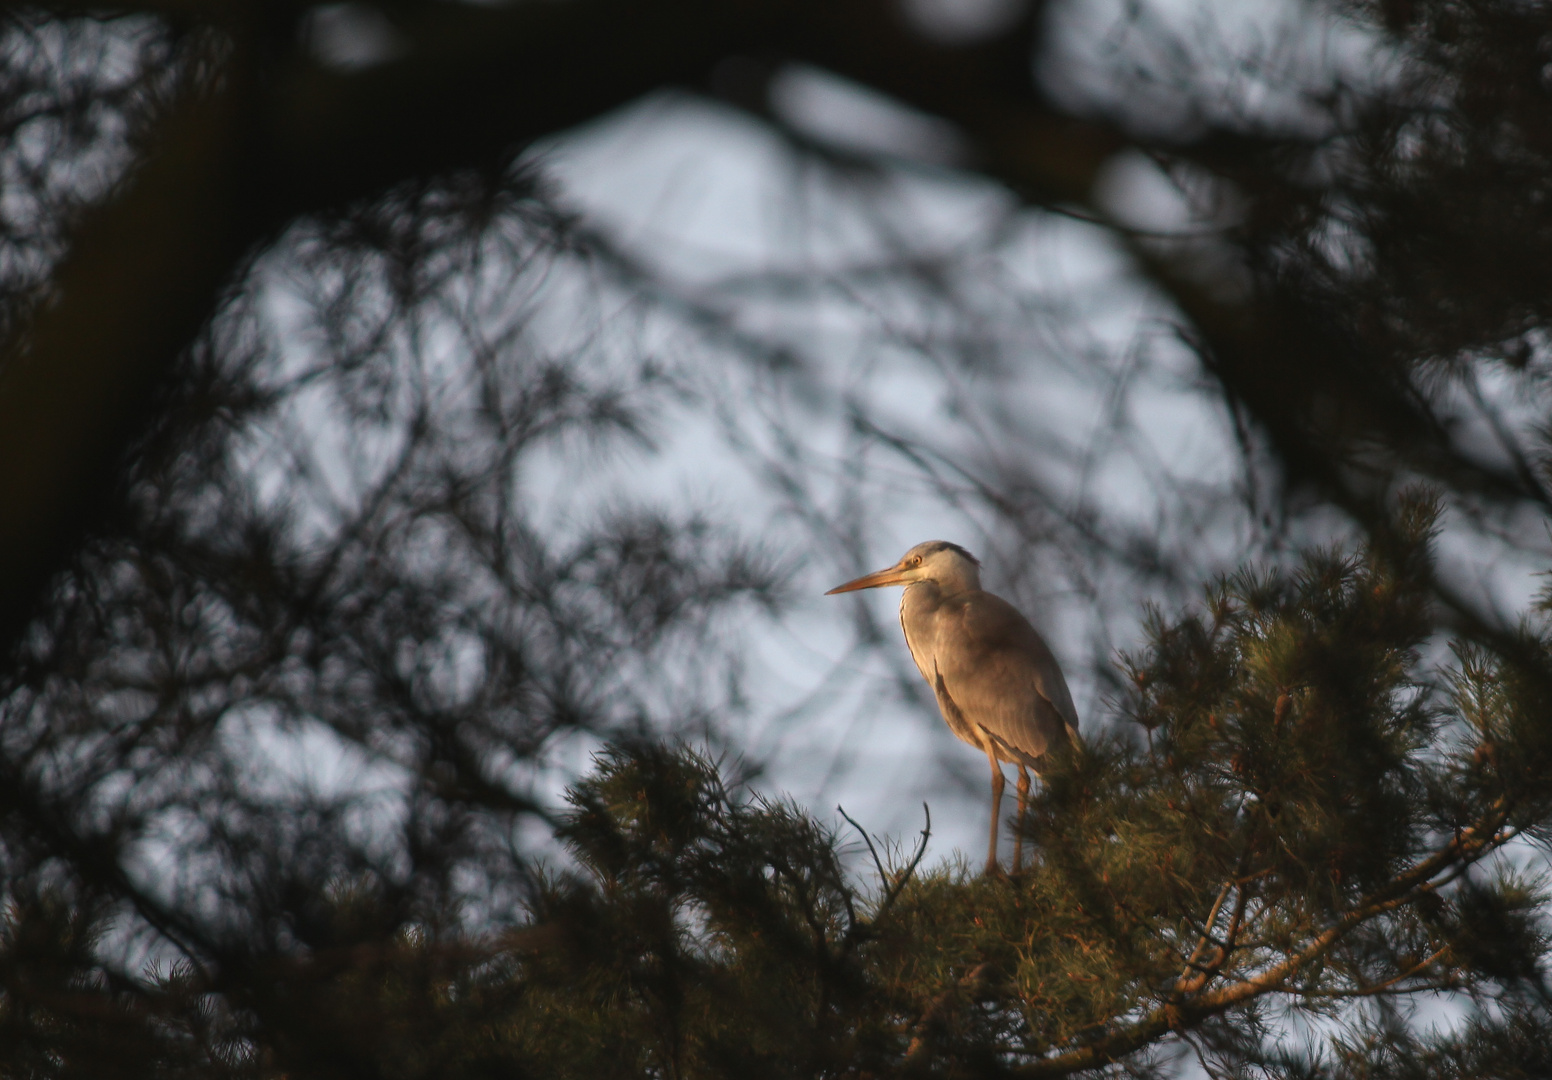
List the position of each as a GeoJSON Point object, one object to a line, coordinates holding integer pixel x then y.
{"type": "Point", "coordinates": [952, 580]}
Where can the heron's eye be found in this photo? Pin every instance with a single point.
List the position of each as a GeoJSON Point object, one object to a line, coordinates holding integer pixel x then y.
{"type": "Point", "coordinates": [916, 561]}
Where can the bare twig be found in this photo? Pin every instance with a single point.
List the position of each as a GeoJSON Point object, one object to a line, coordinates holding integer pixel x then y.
{"type": "Point", "coordinates": [893, 888]}
{"type": "Point", "coordinates": [910, 868]}
{"type": "Point", "coordinates": [878, 863]}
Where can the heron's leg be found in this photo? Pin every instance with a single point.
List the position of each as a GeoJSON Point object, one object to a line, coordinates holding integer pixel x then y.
{"type": "Point", "coordinates": [998, 781]}
{"type": "Point", "coordinates": [1018, 822]}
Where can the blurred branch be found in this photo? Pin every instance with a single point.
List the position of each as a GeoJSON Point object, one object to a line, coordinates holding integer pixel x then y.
{"type": "Point", "coordinates": [142, 276]}
{"type": "Point", "coordinates": [224, 172]}
{"type": "Point", "coordinates": [284, 137]}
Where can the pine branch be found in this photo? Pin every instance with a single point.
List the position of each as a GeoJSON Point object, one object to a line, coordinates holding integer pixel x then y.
{"type": "Point", "coordinates": [1469, 846]}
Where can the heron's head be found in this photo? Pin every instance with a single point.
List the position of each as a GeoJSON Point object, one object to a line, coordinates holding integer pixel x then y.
{"type": "Point", "coordinates": [948, 565]}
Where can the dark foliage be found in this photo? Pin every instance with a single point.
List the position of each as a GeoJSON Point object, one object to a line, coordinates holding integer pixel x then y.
{"type": "Point", "coordinates": [297, 635]}
{"type": "Point", "coordinates": [1258, 836]}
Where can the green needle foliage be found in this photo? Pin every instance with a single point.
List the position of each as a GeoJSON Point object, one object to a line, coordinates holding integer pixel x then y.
{"type": "Point", "coordinates": [1295, 829]}
{"type": "Point", "coordinates": [711, 936]}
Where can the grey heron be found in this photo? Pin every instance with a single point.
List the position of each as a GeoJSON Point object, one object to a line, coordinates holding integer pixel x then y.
{"type": "Point", "coordinates": [998, 686]}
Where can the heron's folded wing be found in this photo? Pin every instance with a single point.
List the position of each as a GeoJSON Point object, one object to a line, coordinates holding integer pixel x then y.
{"type": "Point", "coordinates": [1003, 677]}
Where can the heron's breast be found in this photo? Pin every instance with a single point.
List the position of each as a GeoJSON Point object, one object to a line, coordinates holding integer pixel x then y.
{"type": "Point", "coordinates": [916, 622]}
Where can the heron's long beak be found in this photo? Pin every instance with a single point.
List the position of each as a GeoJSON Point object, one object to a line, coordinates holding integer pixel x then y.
{"type": "Point", "coordinates": [891, 576]}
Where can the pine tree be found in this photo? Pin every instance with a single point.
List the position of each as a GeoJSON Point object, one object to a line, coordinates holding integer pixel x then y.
{"type": "Point", "coordinates": [1293, 820]}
